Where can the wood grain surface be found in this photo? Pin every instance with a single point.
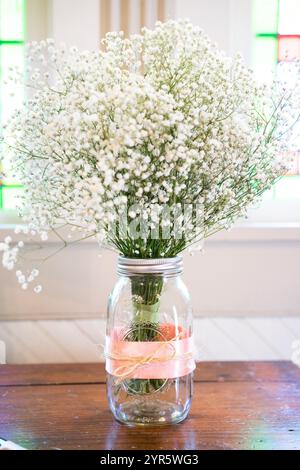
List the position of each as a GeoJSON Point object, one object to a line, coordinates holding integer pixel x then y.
{"type": "Point", "coordinates": [237, 405]}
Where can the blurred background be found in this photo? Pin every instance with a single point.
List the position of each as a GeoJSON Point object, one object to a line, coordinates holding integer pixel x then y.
{"type": "Point", "coordinates": [245, 284]}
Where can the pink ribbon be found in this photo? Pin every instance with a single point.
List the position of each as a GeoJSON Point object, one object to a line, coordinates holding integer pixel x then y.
{"type": "Point", "coordinates": [149, 359]}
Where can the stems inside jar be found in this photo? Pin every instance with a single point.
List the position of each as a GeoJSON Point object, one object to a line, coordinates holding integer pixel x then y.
{"type": "Point", "coordinates": [146, 293]}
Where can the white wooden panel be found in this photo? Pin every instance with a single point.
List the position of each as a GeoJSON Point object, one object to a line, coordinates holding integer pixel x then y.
{"type": "Point", "coordinates": [215, 339]}
{"type": "Point", "coordinates": [293, 325]}
{"type": "Point", "coordinates": [274, 334]}
{"type": "Point", "coordinates": [246, 339]}
{"type": "Point", "coordinates": [18, 350]}
{"type": "Point", "coordinates": [37, 341]}
{"type": "Point", "coordinates": [211, 341]}
{"type": "Point", "coordinates": [74, 342]}
{"type": "Point", "coordinates": [2, 352]}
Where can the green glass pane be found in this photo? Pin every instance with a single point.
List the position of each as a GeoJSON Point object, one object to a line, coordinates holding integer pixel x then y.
{"type": "Point", "coordinates": [289, 17]}
{"type": "Point", "coordinates": [288, 188]}
{"type": "Point", "coordinates": [265, 16]}
{"type": "Point", "coordinates": [10, 197]}
{"type": "Point", "coordinates": [10, 95]}
{"type": "Point", "coordinates": [264, 57]}
{"type": "Point", "coordinates": [12, 20]}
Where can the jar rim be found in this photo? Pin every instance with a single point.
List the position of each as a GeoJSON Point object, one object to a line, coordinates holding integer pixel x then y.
{"type": "Point", "coordinates": [159, 266]}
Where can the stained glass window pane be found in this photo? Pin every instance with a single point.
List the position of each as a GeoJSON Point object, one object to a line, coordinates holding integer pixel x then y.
{"type": "Point", "coordinates": [12, 35]}
{"type": "Point", "coordinates": [289, 47]}
{"type": "Point", "coordinates": [277, 41]}
{"type": "Point", "coordinates": [265, 16]}
{"type": "Point", "coordinates": [10, 197]}
{"type": "Point", "coordinates": [289, 17]}
{"type": "Point", "coordinates": [10, 95]}
{"type": "Point", "coordinates": [265, 57]}
{"type": "Point", "coordinates": [12, 20]}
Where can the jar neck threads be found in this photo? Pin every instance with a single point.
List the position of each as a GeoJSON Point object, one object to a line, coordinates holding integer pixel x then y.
{"type": "Point", "coordinates": [167, 267]}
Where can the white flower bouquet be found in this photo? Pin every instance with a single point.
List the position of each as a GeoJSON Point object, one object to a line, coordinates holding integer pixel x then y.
{"type": "Point", "coordinates": [111, 141]}
{"type": "Point", "coordinates": [162, 118]}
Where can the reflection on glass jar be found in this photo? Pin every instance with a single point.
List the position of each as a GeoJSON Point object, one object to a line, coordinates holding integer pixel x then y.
{"type": "Point", "coordinates": [149, 350]}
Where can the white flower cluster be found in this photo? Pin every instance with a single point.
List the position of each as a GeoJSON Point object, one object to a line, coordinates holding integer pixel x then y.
{"type": "Point", "coordinates": [161, 118]}
{"type": "Point", "coordinates": [9, 260]}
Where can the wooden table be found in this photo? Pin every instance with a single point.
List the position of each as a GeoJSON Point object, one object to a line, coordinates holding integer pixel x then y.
{"type": "Point", "coordinates": [241, 405]}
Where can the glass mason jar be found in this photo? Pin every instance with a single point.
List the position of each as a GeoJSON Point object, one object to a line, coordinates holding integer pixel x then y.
{"type": "Point", "coordinates": [149, 351]}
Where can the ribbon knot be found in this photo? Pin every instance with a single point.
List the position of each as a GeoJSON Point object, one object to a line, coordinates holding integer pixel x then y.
{"type": "Point", "coordinates": [140, 359]}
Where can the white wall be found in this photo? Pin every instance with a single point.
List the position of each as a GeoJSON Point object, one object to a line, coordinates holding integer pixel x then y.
{"type": "Point", "coordinates": [227, 22]}
{"type": "Point", "coordinates": [238, 274]}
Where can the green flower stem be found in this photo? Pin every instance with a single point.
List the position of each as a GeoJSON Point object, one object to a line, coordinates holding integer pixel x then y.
{"type": "Point", "coordinates": [146, 293]}
{"type": "Point", "coordinates": [146, 313]}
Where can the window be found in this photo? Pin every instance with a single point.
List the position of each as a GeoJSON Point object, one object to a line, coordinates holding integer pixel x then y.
{"type": "Point", "coordinates": [12, 37]}
{"type": "Point", "coordinates": [276, 45]}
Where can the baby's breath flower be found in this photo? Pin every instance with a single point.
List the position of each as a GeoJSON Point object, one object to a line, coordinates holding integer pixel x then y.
{"type": "Point", "coordinates": [163, 118]}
